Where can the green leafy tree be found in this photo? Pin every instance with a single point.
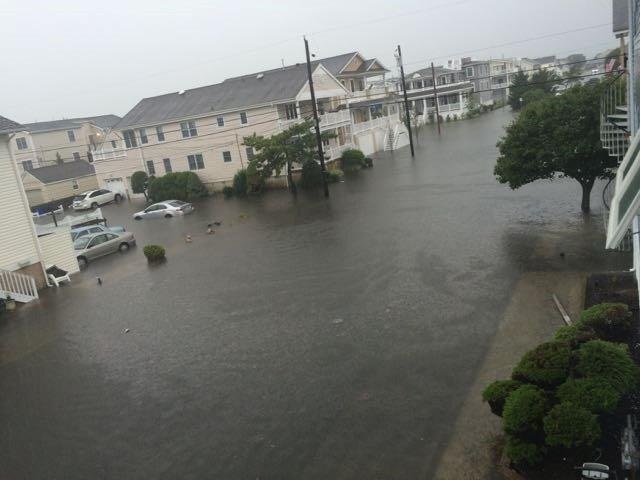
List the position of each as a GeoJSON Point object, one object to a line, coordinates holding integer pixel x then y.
{"type": "Point", "coordinates": [568, 425]}
{"type": "Point", "coordinates": [519, 85]}
{"type": "Point", "coordinates": [497, 392]}
{"type": "Point", "coordinates": [139, 181]}
{"type": "Point", "coordinates": [184, 186]}
{"type": "Point", "coordinates": [311, 176]}
{"type": "Point", "coordinates": [524, 410]}
{"type": "Point", "coordinates": [558, 136]}
{"type": "Point", "coordinates": [240, 182]}
{"type": "Point", "coordinates": [589, 393]}
{"type": "Point", "coordinates": [283, 150]}
{"type": "Point", "coordinates": [353, 159]}
{"type": "Point", "coordinates": [609, 363]}
{"type": "Point", "coordinates": [522, 452]}
{"type": "Point", "coordinates": [575, 63]}
{"type": "Point", "coordinates": [610, 321]}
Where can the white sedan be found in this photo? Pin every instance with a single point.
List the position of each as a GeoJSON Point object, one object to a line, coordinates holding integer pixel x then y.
{"type": "Point", "coordinates": [166, 209]}
{"type": "Point", "coordinates": [95, 198]}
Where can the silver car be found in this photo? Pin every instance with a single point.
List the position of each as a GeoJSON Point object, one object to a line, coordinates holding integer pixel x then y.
{"type": "Point", "coordinates": [97, 245]}
{"type": "Point", "coordinates": [166, 209]}
{"type": "Point", "coordinates": [91, 229]}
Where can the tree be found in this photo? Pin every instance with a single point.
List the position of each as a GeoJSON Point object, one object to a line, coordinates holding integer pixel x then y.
{"type": "Point", "coordinates": [497, 392]}
{"type": "Point", "coordinates": [526, 89]}
{"type": "Point", "coordinates": [139, 181]}
{"type": "Point", "coordinates": [557, 136]}
{"type": "Point", "coordinates": [546, 365]}
{"type": "Point", "coordinates": [590, 394]}
{"type": "Point", "coordinates": [295, 145]}
{"type": "Point", "coordinates": [568, 425]}
{"type": "Point", "coordinates": [609, 363]}
{"type": "Point", "coordinates": [184, 186]}
{"type": "Point", "coordinates": [519, 85]}
{"type": "Point", "coordinates": [575, 63]}
{"type": "Point", "coordinates": [240, 182]}
{"type": "Point", "coordinates": [524, 410]}
{"type": "Point", "coordinates": [311, 176]}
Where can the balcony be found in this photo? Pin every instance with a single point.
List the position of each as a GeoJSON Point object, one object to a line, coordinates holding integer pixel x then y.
{"type": "Point", "coordinates": [372, 93]}
{"type": "Point", "coordinates": [381, 122]}
{"type": "Point", "coordinates": [328, 120]}
{"type": "Point", "coordinates": [109, 154]}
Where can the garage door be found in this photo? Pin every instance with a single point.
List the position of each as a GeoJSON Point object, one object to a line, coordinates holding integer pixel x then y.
{"type": "Point", "coordinates": [116, 185]}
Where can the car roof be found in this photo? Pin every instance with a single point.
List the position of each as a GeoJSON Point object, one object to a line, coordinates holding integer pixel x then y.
{"type": "Point", "coordinates": [98, 233]}
{"type": "Point", "coordinates": [79, 229]}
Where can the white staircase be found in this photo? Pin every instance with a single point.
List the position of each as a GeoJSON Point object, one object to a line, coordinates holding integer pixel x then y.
{"type": "Point", "coordinates": [391, 138]}
{"type": "Point", "coordinates": [20, 287]}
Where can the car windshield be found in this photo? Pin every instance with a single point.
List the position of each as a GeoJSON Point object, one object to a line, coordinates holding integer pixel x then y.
{"type": "Point", "coordinates": [177, 203]}
{"type": "Point", "coordinates": [81, 243]}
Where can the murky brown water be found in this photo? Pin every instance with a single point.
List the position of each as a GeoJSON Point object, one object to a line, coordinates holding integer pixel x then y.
{"type": "Point", "coordinates": [304, 340]}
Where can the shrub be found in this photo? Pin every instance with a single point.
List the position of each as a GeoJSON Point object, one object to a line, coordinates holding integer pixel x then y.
{"type": "Point", "coordinates": [546, 365]}
{"type": "Point", "coordinates": [227, 191]}
{"type": "Point", "coordinates": [178, 186]}
{"type": "Point", "coordinates": [352, 159]}
{"type": "Point", "coordinates": [154, 253]}
{"type": "Point", "coordinates": [334, 176]}
{"type": "Point", "coordinates": [524, 410]}
{"type": "Point", "coordinates": [448, 118]}
{"type": "Point", "coordinates": [607, 362]}
{"type": "Point", "coordinates": [368, 162]}
{"type": "Point", "coordinates": [455, 117]}
{"type": "Point", "coordinates": [240, 182]}
{"type": "Point", "coordinates": [574, 334]}
{"type": "Point", "coordinates": [590, 394]}
{"type": "Point", "coordinates": [497, 392]}
{"type": "Point", "coordinates": [311, 174]}
{"type": "Point", "coordinates": [568, 425]}
{"type": "Point", "coordinates": [611, 321]}
{"type": "Point", "coordinates": [139, 181]}
{"type": "Point", "coordinates": [522, 452]}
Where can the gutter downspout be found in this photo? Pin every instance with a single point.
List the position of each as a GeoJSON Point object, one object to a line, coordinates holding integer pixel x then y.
{"type": "Point", "coordinates": [25, 202]}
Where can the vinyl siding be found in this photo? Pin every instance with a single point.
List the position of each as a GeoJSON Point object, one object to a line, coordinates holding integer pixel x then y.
{"type": "Point", "coordinates": [58, 190]}
{"type": "Point", "coordinates": [57, 249]}
{"type": "Point", "coordinates": [17, 232]}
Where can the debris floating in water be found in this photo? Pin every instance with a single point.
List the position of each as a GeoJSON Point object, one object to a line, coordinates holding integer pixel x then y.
{"type": "Point", "coordinates": [99, 280]}
{"type": "Point", "coordinates": [336, 321]}
{"type": "Point", "coordinates": [126, 330]}
{"type": "Point", "coordinates": [188, 238]}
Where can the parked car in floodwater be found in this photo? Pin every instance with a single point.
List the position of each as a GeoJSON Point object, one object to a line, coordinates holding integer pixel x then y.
{"type": "Point", "coordinates": [98, 245]}
{"type": "Point", "coordinates": [76, 233]}
{"type": "Point", "coordinates": [167, 209]}
{"type": "Point", "coordinates": [95, 198]}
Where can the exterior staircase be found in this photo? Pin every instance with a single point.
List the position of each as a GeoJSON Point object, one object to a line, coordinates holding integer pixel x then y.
{"type": "Point", "coordinates": [614, 135]}
{"type": "Point", "coordinates": [391, 138]}
{"type": "Point", "coordinates": [20, 287]}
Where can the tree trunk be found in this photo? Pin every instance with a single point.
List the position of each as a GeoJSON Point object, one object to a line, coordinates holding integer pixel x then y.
{"type": "Point", "coordinates": [586, 195]}
{"type": "Point", "coordinates": [292, 185]}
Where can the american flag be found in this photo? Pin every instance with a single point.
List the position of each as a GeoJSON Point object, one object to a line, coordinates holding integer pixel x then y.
{"type": "Point", "coordinates": [608, 68]}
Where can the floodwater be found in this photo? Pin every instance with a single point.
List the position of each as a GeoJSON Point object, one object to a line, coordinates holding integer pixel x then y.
{"type": "Point", "coordinates": [305, 339]}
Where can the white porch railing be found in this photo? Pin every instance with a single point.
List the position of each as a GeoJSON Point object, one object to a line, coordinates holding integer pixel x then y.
{"type": "Point", "coordinates": [334, 118]}
{"type": "Point", "coordinates": [109, 154]}
{"type": "Point", "coordinates": [334, 152]}
{"type": "Point", "coordinates": [20, 287]}
{"type": "Point", "coordinates": [381, 122]}
{"type": "Point", "coordinates": [372, 92]}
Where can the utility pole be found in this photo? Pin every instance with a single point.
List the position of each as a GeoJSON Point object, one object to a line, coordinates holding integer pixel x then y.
{"type": "Point", "coordinates": [316, 121]}
{"type": "Point", "coordinates": [406, 102]}
{"type": "Point", "coordinates": [435, 96]}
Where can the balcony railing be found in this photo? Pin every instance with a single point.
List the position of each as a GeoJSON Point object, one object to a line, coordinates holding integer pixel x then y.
{"type": "Point", "coordinates": [381, 122]}
{"type": "Point", "coordinates": [372, 92]}
{"type": "Point", "coordinates": [335, 118]}
{"type": "Point", "coordinates": [614, 132]}
{"type": "Point", "coordinates": [109, 154]}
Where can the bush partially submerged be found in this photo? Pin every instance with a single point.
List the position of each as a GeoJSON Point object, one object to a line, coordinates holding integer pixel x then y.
{"type": "Point", "coordinates": [568, 425]}
{"type": "Point", "coordinates": [154, 253]}
{"type": "Point", "coordinates": [609, 363]}
{"type": "Point", "coordinates": [353, 159]}
{"type": "Point", "coordinates": [497, 392]}
{"type": "Point", "coordinates": [591, 394]}
{"type": "Point", "coordinates": [610, 321]}
{"type": "Point", "coordinates": [240, 183]}
{"type": "Point", "coordinates": [546, 365]}
{"type": "Point", "coordinates": [524, 410]}
{"type": "Point", "coordinates": [227, 191]}
{"type": "Point", "coordinates": [184, 186]}
{"type": "Point", "coordinates": [522, 452]}
{"type": "Point", "coordinates": [311, 176]}
{"type": "Point", "coordinates": [334, 176]}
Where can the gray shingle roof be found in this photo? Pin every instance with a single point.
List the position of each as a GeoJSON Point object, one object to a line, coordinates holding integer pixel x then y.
{"type": "Point", "coordinates": [276, 85]}
{"type": "Point", "coordinates": [102, 121]}
{"type": "Point", "coordinates": [9, 126]}
{"type": "Point", "coordinates": [64, 171]}
{"type": "Point", "coordinates": [620, 15]}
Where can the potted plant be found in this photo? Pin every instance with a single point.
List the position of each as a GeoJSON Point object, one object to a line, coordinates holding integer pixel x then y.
{"type": "Point", "coordinates": [10, 303]}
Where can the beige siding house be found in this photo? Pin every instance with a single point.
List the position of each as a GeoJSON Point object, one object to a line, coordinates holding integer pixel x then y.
{"type": "Point", "coordinates": [49, 143]}
{"type": "Point", "coordinates": [202, 129]}
{"type": "Point", "coordinates": [20, 250]}
{"type": "Point", "coordinates": [58, 182]}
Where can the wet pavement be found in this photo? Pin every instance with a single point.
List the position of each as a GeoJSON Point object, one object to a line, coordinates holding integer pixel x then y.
{"type": "Point", "coordinates": [305, 339]}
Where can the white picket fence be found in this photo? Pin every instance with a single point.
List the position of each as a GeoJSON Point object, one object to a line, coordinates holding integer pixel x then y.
{"type": "Point", "coordinates": [20, 287]}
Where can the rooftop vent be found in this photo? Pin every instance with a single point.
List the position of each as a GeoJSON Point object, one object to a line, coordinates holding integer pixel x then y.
{"type": "Point", "coordinates": [181, 92]}
{"type": "Point", "coordinates": [260, 75]}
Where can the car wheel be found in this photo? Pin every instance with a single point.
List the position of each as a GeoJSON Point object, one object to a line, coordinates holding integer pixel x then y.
{"type": "Point", "coordinates": [83, 262]}
{"type": "Point", "coordinates": [137, 217]}
{"type": "Point", "coordinates": [118, 197]}
{"type": "Point", "coordinates": [124, 247]}
{"type": "Point", "coordinates": [168, 215]}
{"type": "Point", "coordinates": [94, 205]}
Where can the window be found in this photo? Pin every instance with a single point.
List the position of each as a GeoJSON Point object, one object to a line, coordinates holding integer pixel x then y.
{"type": "Point", "coordinates": [76, 156]}
{"type": "Point", "coordinates": [143, 136]}
{"type": "Point", "coordinates": [22, 143]}
{"type": "Point", "coordinates": [74, 184]}
{"type": "Point", "coordinates": [291, 111]}
{"type": "Point", "coordinates": [160, 134]}
{"type": "Point", "coordinates": [243, 117]}
{"type": "Point", "coordinates": [250, 154]}
{"type": "Point", "coordinates": [220, 121]}
{"type": "Point", "coordinates": [167, 165]}
{"type": "Point", "coordinates": [97, 240]}
{"type": "Point", "coordinates": [114, 144]}
{"type": "Point", "coordinates": [151, 168]}
{"type": "Point", "coordinates": [27, 165]}
{"type": "Point", "coordinates": [468, 71]}
{"type": "Point", "coordinates": [130, 138]}
{"type": "Point", "coordinates": [71, 135]}
{"type": "Point", "coordinates": [226, 156]}
{"type": "Point", "coordinates": [353, 86]}
{"type": "Point", "coordinates": [195, 161]}
{"type": "Point", "coordinates": [189, 129]}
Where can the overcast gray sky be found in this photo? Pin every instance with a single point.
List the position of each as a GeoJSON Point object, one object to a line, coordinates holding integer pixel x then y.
{"type": "Point", "coordinates": [68, 58]}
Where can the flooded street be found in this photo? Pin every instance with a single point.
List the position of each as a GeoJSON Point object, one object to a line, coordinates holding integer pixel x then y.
{"type": "Point", "coordinates": [306, 339]}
